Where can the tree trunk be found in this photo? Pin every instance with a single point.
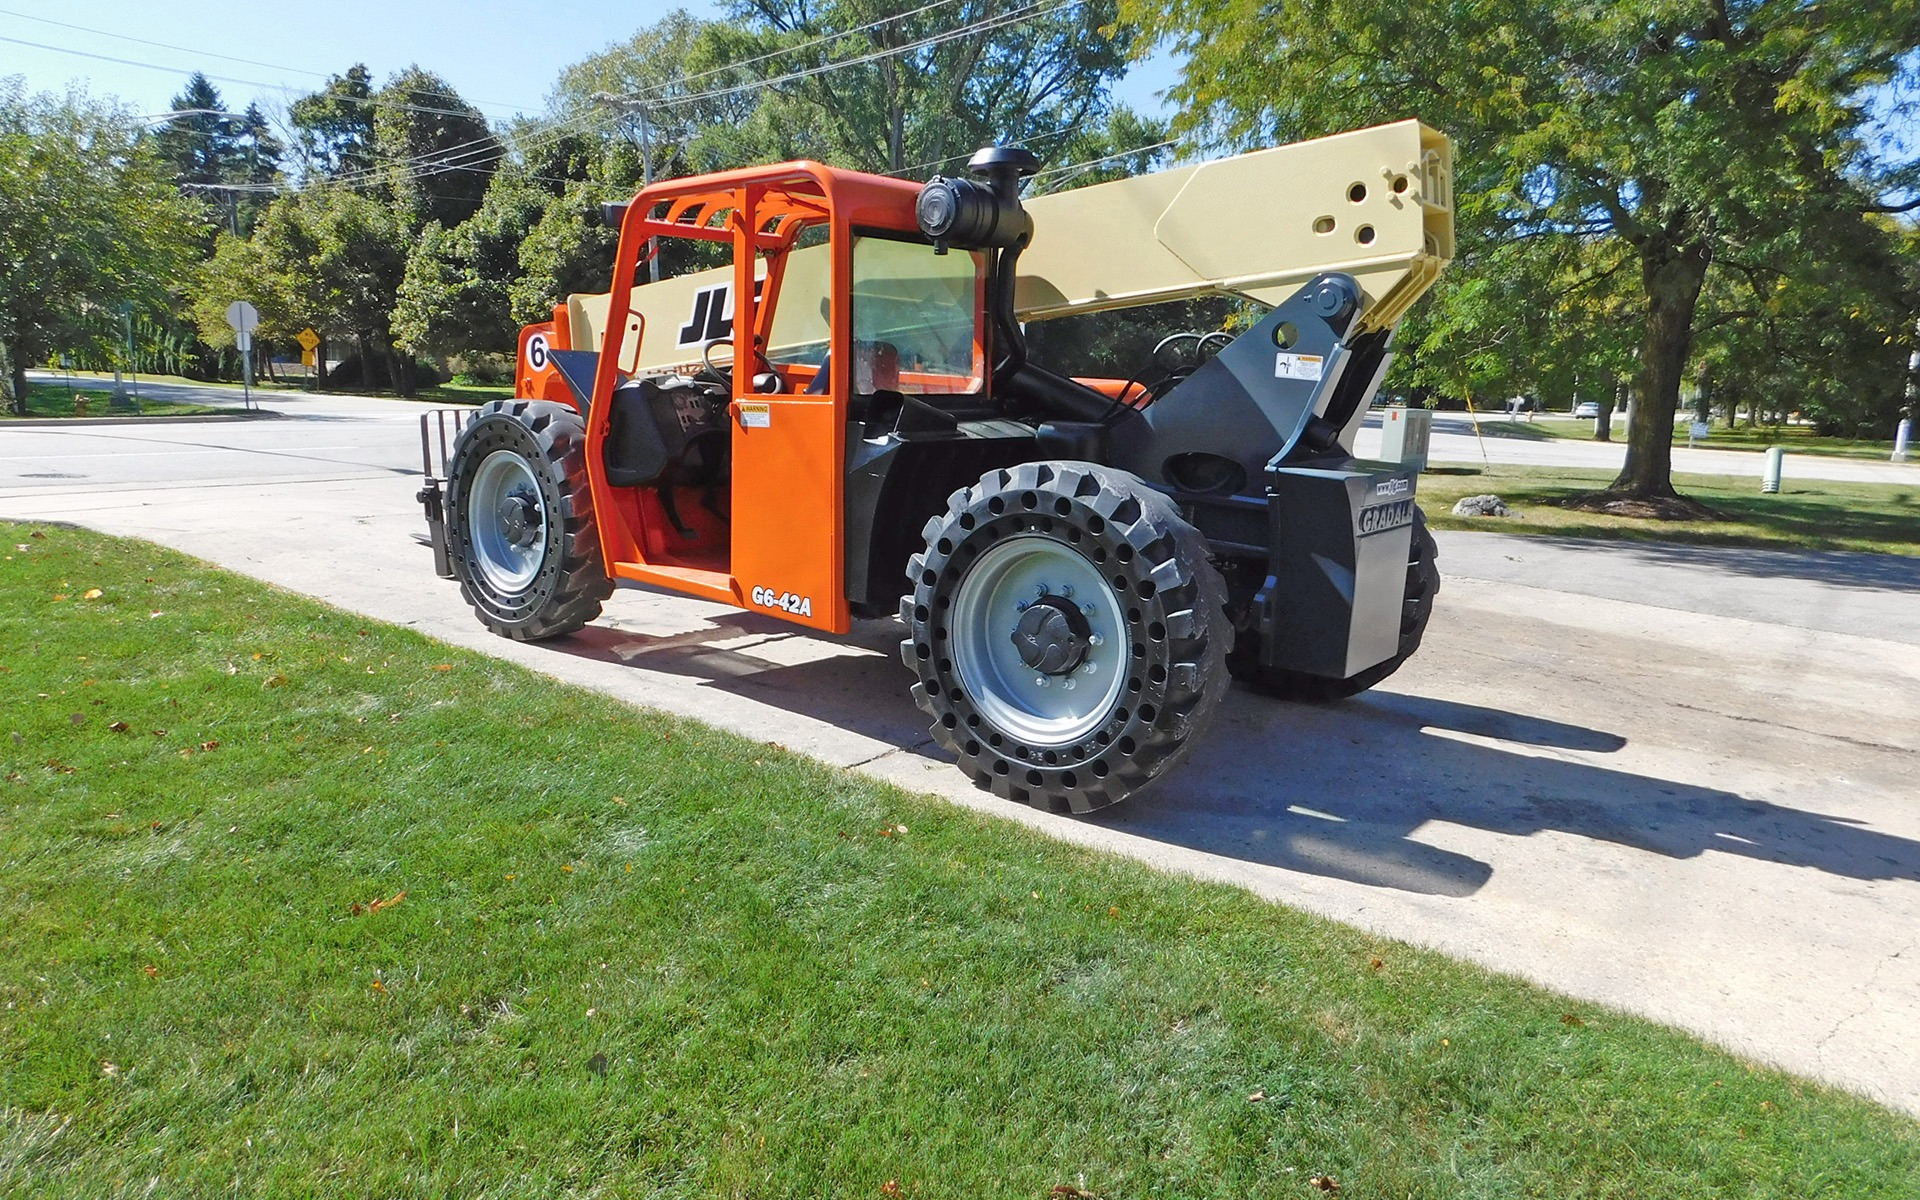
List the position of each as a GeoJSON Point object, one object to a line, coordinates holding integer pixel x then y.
{"type": "Point", "coordinates": [13, 379]}
{"type": "Point", "coordinates": [1672, 277]}
{"type": "Point", "coordinates": [1603, 416]}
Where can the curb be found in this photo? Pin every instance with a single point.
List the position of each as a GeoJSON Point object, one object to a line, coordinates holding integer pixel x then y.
{"type": "Point", "coordinates": [91, 422]}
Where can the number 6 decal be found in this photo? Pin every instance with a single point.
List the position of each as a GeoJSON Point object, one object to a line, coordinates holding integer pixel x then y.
{"type": "Point", "coordinates": [537, 352]}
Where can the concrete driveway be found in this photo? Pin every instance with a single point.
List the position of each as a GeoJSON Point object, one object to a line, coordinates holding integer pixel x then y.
{"type": "Point", "coordinates": [1685, 783]}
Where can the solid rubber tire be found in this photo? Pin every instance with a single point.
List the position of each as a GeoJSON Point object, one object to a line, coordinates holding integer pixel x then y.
{"type": "Point", "coordinates": [1174, 601]}
{"type": "Point", "coordinates": [571, 583]}
{"type": "Point", "coordinates": [1423, 584]}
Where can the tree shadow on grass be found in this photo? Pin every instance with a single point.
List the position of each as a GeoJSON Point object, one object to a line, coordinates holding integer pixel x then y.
{"type": "Point", "coordinates": [1342, 791]}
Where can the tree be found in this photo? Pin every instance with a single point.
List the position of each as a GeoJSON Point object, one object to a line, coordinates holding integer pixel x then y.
{"type": "Point", "coordinates": [1695, 132]}
{"type": "Point", "coordinates": [436, 151]}
{"type": "Point", "coordinates": [928, 98]}
{"type": "Point", "coordinates": [90, 227]}
{"type": "Point", "coordinates": [334, 126]}
{"type": "Point", "coordinates": [199, 144]}
{"type": "Point", "coordinates": [457, 292]}
{"type": "Point", "coordinates": [219, 158]}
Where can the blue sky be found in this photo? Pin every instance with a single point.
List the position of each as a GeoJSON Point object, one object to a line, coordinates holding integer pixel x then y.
{"type": "Point", "coordinates": [501, 57]}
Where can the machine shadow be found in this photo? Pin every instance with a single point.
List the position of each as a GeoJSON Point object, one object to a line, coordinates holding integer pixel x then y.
{"type": "Point", "coordinates": [1340, 791]}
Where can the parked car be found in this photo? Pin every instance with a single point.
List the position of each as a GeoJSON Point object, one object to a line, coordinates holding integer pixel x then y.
{"type": "Point", "coordinates": [1587, 409]}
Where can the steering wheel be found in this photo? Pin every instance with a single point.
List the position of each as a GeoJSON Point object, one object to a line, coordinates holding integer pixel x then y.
{"type": "Point", "coordinates": [725, 377]}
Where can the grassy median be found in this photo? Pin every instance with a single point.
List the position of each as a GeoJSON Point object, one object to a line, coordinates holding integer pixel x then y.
{"type": "Point", "coordinates": [1806, 514]}
{"type": "Point", "coordinates": [293, 903]}
{"type": "Point", "coordinates": [46, 400]}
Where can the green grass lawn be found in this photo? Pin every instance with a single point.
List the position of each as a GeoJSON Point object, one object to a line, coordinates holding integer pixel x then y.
{"type": "Point", "coordinates": [465, 393]}
{"type": "Point", "coordinates": [57, 400]}
{"type": "Point", "coordinates": [1798, 439]}
{"type": "Point", "coordinates": [1813, 514]}
{"type": "Point", "coordinates": [295, 903]}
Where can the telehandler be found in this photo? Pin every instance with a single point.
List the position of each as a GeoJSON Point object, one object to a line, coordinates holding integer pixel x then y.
{"type": "Point", "coordinates": [844, 422]}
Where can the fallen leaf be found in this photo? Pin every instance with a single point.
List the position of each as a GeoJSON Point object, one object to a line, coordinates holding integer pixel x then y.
{"type": "Point", "coordinates": [567, 867]}
{"type": "Point", "coordinates": [374, 906]}
{"type": "Point", "coordinates": [76, 718]}
{"type": "Point", "coordinates": [151, 970]}
{"type": "Point", "coordinates": [36, 534]}
{"type": "Point", "coordinates": [616, 799]}
{"type": "Point", "coordinates": [155, 613]}
{"type": "Point", "coordinates": [379, 987]}
{"type": "Point", "coordinates": [23, 545]}
{"type": "Point", "coordinates": [440, 666]}
{"type": "Point", "coordinates": [59, 596]}
{"type": "Point", "coordinates": [110, 1070]}
{"type": "Point", "coordinates": [119, 727]}
{"type": "Point", "coordinates": [1375, 963]}
{"type": "Point", "coordinates": [1325, 1183]}
{"type": "Point", "coordinates": [1570, 1019]}
{"type": "Point", "coordinates": [1257, 1097]}
{"type": "Point", "coordinates": [1113, 910]}
{"type": "Point", "coordinates": [598, 1065]}
{"type": "Point", "coordinates": [1068, 1191]}
{"type": "Point", "coordinates": [209, 745]}
{"type": "Point", "coordinates": [892, 1188]}
{"type": "Point", "coordinates": [92, 594]}
{"type": "Point", "coordinates": [159, 733]}
{"type": "Point", "coordinates": [274, 681]}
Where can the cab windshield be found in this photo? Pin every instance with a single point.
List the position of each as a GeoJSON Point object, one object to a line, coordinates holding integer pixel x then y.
{"type": "Point", "coordinates": [915, 317]}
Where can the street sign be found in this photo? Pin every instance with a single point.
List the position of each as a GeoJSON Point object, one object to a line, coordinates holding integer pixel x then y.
{"type": "Point", "coordinates": [306, 358]}
{"type": "Point", "coordinates": [308, 339]}
{"type": "Point", "coordinates": [244, 318]}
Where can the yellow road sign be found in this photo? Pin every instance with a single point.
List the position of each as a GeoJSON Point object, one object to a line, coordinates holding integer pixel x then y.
{"type": "Point", "coordinates": [306, 358]}
{"type": "Point", "coordinates": [309, 341]}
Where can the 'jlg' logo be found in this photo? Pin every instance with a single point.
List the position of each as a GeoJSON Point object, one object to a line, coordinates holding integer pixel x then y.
{"type": "Point", "coordinates": [712, 318]}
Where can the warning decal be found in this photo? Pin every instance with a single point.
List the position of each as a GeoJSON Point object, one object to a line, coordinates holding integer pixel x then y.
{"type": "Point", "coordinates": [1298, 366]}
{"type": "Point", "coordinates": [756, 416]}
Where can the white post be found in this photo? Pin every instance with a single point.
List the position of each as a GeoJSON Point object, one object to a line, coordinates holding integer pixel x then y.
{"type": "Point", "coordinates": [1770, 477]}
{"type": "Point", "coordinates": [1900, 438]}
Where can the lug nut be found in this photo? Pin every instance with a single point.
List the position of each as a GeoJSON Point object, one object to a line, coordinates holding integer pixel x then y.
{"type": "Point", "coordinates": [1041, 681]}
{"type": "Point", "coordinates": [1068, 685]}
{"type": "Point", "coordinates": [1039, 591]}
{"type": "Point", "coordinates": [1089, 669]}
{"type": "Point", "coordinates": [1094, 639]}
{"type": "Point", "coordinates": [1066, 589]}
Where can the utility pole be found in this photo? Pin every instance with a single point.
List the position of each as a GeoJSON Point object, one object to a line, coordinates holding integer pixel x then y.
{"type": "Point", "coordinates": [630, 106]}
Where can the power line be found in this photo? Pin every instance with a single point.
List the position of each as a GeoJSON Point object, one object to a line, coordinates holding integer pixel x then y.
{"type": "Point", "coordinates": [370, 101]}
{"type": "Point", "coordinates": [251, 62]}
{"type": "Point", "coordinates": [458, 154]}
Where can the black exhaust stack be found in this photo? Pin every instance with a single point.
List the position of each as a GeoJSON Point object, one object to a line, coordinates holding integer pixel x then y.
{"type": "Point", "coordinates": [988, 215]}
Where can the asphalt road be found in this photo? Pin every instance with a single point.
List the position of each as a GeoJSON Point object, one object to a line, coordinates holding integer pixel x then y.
{"type": "Point", "coordinates": [1679, 782]}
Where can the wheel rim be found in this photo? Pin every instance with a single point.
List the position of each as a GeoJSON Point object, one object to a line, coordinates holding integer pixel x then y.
{"type": "Point", "coordinates": [508, 518]}
{"type": "Point", "coordinates": [1036, 706]}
